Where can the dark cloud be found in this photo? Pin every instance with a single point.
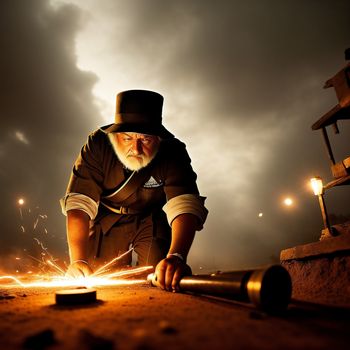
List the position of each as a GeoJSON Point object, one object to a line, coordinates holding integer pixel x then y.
{"type": "Point", "coordinates": [266, 53]}
{"type": "Point", "coordinates": [45, 106]}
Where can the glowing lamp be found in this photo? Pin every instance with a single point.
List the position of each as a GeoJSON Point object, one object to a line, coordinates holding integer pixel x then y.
{"type": "Point", "coordinates": [317, 185]}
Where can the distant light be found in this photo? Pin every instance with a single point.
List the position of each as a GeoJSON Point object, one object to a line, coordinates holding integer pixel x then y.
{"type": "Point", "coordinates": [288, 201]}
{"type": "Point", "coordinates": [260, 215]}
{"type": "Point", "coordinates": [21, 137]}
{"type": "Point", "coordinates": [21, 201]}
{"type": "Point", "coordinates": [317, 185]}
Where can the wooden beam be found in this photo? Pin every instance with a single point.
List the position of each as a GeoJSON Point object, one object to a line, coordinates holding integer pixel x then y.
{"type": "Point", "coordinates": [328, 145]}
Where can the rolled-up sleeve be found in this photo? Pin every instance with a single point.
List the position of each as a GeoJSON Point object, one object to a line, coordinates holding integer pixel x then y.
{"type": "Point", "coordinates": [180, 186]}
{"type": "Point", "coordinates": [79, 201]}
{"type": "Point", "coordinates": [186, 204]}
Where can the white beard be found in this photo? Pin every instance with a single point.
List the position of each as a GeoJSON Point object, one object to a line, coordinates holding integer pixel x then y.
{"type": "Point", "coordinates": [133, 163]}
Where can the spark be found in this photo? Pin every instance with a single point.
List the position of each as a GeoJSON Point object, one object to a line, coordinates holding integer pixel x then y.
{"type": "Point", "coordinates": [21, 137]}
{"type": "Point", "coordinates": [106, 266]}
{"type": "Point", "coordinates": [260, 215]}
{"type": "Point", "coordinates": [128, 272]}
{"type": "Point", "coordinates": [39, 243]}
{"type": "Point", "coordinates": [21, 201]}
{"type": "Point", "coordinates": [54, 265]}
{"type": "Point", "coordinates": [35, 259]}
{"type": "Point", "coordinates": [45, 249]}
{"type": "Point", "coordinates": [40, 216]}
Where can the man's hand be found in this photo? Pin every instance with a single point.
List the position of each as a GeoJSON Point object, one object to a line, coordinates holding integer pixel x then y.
{"type": "Point", "coordinates": [79, 269]}
{"type": "Point", "coordinates": [169, 271]}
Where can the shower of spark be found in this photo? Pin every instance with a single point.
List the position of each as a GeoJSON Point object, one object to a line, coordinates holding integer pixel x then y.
{"type": "Point", "coordinates": [47, 273]}
{"type": "Point", "coordinates": [111, 279]}
{"type": "Point", "coordinates": [38, 229]}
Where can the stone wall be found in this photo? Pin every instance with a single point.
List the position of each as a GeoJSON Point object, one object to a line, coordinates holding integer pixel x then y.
{"type": "Point", "coordinates": [324, 280]}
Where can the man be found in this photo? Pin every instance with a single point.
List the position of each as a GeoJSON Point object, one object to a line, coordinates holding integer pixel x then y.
{"type": "Point", "coordinates": [133, 185]}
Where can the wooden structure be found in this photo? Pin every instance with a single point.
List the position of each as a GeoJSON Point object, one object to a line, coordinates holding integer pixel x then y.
{"type": "Point", "coordinates": [341, 83]}
{"type": "Point", "coordinates": [320, 270]}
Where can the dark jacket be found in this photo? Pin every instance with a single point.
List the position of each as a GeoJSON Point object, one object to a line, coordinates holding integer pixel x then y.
{"type": "Point", "coordinates": [98, 172]}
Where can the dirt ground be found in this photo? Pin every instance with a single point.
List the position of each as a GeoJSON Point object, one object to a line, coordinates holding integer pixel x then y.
{"type": "Point", "coordinates": [143, 317]}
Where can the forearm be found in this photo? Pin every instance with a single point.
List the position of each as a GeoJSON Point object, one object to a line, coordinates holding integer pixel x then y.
{"type": "Point", "coordinates": [77, 234]}
{"type": "Point", "coordinates": [170, 270]}
{"type": "Point", "coordinates": [183, 231]}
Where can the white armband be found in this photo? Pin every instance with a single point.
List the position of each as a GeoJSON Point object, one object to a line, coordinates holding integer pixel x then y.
{"type": "Point", "coordinates": [186, 204]}
{"type": "Point", "coordinates": [81, 202]}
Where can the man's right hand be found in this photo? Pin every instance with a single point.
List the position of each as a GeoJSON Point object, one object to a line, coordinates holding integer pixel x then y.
{"type": "Point", "coordinates": [78, 269]}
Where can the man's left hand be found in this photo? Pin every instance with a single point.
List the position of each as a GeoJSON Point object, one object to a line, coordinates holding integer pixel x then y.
{"type": "Point", "coordinates": [169, 272]}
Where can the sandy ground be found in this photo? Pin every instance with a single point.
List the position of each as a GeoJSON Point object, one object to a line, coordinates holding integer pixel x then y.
{"type": "Point", "coordinates": [144, 317]}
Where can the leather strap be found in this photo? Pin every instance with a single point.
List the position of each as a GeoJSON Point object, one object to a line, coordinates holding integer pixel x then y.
{"type": "Point", "coordinates": [129, 186]}
{"type": "Point", "coordinates": [121, 210]}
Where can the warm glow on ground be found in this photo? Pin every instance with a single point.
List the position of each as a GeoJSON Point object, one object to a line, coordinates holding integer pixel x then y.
{"type": "Point", "coordinates": [104, 279]}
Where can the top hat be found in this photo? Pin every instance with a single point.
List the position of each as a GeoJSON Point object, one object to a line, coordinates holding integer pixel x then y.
{"type": "Point", "coordinates": [139, 111]}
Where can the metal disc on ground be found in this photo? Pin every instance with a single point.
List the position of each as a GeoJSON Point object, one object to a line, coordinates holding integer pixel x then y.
{"type": "Point", "coordinates": [75, 296]}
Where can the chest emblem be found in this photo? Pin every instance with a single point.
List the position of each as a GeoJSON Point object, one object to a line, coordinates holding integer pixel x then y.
{"type": "Point", "coordinates": [152, 183]}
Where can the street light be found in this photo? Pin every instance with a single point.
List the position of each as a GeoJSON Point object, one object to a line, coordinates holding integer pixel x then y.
{"type": "Point", "coordinates": [317, 187]}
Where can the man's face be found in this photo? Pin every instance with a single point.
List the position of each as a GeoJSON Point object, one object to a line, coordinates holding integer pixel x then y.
{"type": "Point", "coordinates": [134, 150]}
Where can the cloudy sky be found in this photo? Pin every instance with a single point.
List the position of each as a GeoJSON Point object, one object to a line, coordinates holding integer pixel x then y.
{"type": "Point", "coordinates": [242, 82]}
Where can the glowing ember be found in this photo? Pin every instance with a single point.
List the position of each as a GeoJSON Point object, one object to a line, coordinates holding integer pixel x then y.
{"type": "Point", "coordinates": [21, 201]}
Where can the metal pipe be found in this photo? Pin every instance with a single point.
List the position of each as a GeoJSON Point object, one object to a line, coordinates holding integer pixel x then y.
{"type": "Point", "coordinates": [268, 288]}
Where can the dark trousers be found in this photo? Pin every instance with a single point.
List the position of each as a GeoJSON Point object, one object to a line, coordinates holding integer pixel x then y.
{"type": "Point", "coordinates": [149, 235]}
